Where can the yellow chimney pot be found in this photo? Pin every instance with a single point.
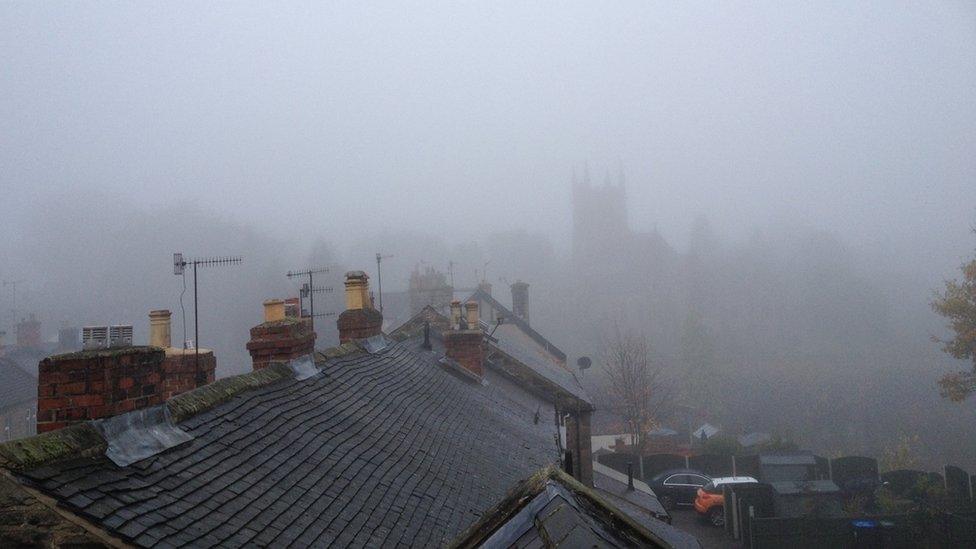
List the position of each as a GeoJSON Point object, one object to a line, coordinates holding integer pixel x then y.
{"type": "Point", "coordinates": [274, 310]}
{"type": "Point", "coordinates": [471, 315]}
{"type": "Point", "coordinates": [357, 291]}
{"type": "Point", "coordinates": [160, 331]}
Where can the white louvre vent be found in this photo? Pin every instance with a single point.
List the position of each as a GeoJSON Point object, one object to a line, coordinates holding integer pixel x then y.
{"type": "Point", "coordinates": [120, 335]}
{"type": "Point", "coordinates": [94, 337]}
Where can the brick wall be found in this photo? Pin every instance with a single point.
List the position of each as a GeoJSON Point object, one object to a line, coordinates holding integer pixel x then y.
{"type": "Point", "coordinates": [280, 340]}
{"type": "Point", "coordinates": [466, 347]}
{"type": "Point", "coordinates": [87, 385]}
{"type": "Point", "coordinates": [182, 373]}
{"type": "Point", "coordinates": [359, 324]}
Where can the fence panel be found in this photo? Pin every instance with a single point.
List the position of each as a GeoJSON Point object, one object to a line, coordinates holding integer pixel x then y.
{"type": "Point", "coordinates": [617, 462]}
{"type": "Point", "coordinates": [822, 468]}
{"type": "Point", "coordinates": [656, 463]}
{"type": "Point", "coordinates": [712, 465]}
{"type": "Point", "coordinates": [854, 473]}
{"type": "Point", "coordinates": [747, 466]}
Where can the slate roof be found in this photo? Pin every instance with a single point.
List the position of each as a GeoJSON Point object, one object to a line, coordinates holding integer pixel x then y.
{"type": "Point", "coordinates": [559, 379]}
{"type": "Point", "coordinates": [614, 482]}
{"type": "Point", "coordinates": [380, 449]}
{"type": "Point", "coordinates": [551, 509]}
{"type": "Point", "coordinates": [510, 317]}
{"type": "Point", "coordinates": [564, 379]}
{"type": "Point", "coordinates": [641, 505]}
{"type": "Point", "coordinates": [16, 386]}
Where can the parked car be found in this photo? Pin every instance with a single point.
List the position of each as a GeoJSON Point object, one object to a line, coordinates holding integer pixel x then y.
{"type": "Point", "coordinates": [710, 501]}
{"type": "Point", "coordinates": [678, 487]}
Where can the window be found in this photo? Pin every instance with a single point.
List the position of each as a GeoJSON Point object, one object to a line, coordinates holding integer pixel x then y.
{"type": "Point", "coordinates": [686, 480]}
{"type": "Point", "coordinates": [675, 479]}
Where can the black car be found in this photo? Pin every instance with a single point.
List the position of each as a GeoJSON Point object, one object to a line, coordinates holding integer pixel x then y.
{"type": "Point", "coordinates": [678, 486]}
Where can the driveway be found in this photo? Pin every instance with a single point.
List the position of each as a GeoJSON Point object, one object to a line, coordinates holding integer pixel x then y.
{"type": "Point", "coordinates": [709, 536]}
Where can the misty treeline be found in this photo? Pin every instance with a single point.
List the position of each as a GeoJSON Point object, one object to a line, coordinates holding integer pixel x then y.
{"type": "Point", "coordinates": [788, 332]}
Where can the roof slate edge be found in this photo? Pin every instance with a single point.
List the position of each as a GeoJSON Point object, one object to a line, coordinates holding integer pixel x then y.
{"type": "Point", "coordinates": [523, 492]}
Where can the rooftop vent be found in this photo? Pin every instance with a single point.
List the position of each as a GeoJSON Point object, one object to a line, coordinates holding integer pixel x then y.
{"type": "Point", "coordinates": [120, 335]}
{"type": "Point", "coordinates": [94, 337]}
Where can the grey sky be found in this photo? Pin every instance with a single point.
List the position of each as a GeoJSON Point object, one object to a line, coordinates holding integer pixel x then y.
{"type": "Point", "coordinates": [854, 117]}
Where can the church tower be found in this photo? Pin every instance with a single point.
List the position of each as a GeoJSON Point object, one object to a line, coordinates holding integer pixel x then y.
{"type": "Point", "coordinates": [599, 216]}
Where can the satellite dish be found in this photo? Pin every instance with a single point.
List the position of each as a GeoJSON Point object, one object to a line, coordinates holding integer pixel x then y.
{"type": "Point", "coordinates": [583, 362]}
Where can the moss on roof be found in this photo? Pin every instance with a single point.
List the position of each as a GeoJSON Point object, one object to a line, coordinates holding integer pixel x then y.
{"type": "Point", "coordinates": [106, 353]}
{"type": "Point", "coordinates": [201, 399]}
{"type": "Point", "coordinates": [348, 348]}
{"type": "Point", "coordinates": [78, 440]}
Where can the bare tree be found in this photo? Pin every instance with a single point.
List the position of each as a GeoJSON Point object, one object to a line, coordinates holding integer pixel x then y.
{"type": "Point", "coordinates": [636, 387]}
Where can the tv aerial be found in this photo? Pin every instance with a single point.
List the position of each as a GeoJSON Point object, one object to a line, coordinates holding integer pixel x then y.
{"type": "Point", "coordinates": [309, 289]}
{"type": "Point", "coordinates": [179, 269]}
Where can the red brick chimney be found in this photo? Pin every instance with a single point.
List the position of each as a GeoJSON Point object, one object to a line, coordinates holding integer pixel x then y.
{"type": "Point", "coordinates": [183, 369]}
{"type": "Point", "coordinates": [464, 341]}
{"type": "Point", "coordinates": [86, 385]}
{"type": "Point", "coordinates": [360, 320]}
{"type": "Point", "coordinates": [279, 338]}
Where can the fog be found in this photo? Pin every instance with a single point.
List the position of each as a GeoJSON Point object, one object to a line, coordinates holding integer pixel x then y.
{"type": "Point", "coordinates": [801, 176]}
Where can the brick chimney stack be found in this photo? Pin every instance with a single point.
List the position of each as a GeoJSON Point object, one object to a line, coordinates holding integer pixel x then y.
{"type": "Point", "coordinates": [279, 338]}
{"type": "Point", "coordinates": [466, 347]}
{"type": "Point", "coordinates": [520, 300]}
{"type": "Point", "coordinates": [360, 320]}
{"type": "Point", "coordinates": [183, 369]}
{"type": "Point", "coordinates": [76, 387]}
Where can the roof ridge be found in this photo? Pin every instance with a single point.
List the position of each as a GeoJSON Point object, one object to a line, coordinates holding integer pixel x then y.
{"type": "Point", "coordinates": [78, 440]}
